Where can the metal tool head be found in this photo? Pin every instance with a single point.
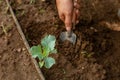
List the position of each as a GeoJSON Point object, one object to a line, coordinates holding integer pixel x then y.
{"type": "Point", "coordinates": [70, 36]}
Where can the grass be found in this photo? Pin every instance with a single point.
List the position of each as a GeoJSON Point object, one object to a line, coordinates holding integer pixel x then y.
{"type": "Point", "coordinates": [6, 29]}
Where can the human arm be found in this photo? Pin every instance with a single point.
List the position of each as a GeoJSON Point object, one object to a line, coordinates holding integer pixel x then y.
{"type": "Point", "coordinates": [68, 12]}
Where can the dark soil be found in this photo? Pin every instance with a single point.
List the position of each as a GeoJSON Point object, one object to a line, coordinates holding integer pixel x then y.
{"type": "Point", "coordinates": [96, 54]}
{"type": "Point", "coordinates": [15, 63]}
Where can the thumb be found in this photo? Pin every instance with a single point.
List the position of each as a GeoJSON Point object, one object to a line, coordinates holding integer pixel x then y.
{"type": "Point", "coordinates": [68, 22]}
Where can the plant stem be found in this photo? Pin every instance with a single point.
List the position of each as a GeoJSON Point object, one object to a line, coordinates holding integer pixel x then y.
{"type": "Point", "coordinates": [4, 30]}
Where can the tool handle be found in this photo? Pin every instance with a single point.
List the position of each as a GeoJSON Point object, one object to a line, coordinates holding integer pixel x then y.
{"type": "Point", "coordinates": [69, 33]}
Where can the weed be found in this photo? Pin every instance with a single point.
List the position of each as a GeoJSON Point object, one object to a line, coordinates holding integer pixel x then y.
{"type": "Point", "coordinates": [86, 54]}
{"type": "Point", "coordinates": [32, 1]}
{"type": "Point", "coordinates": [4, 29]}
{"type": "Point", "coordinates": [43, 51]}
{"type": "Point", "coordinates": [20, 12]}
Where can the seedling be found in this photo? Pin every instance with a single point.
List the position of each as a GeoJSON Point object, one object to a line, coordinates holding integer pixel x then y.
{"type": "Point", "coordinates": [32, 1]}
{"type": "Point", "coordinates": [43, 51]}
{"type": "Point", "coordinates": [86, 54]}
{"type": "Point", "coordinates": [4, 29]}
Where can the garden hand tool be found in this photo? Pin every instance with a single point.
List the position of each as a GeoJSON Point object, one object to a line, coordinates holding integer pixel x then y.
{"type": "Point", "coordinates": [68, 35]}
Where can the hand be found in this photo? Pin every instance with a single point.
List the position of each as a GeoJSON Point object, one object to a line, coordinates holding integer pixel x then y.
{"type": "Point", "coordinates": [68, 12]}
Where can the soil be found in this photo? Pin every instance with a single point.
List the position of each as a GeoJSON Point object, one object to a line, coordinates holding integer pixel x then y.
{"type": "Point", "coordinates": [15, 62]}
{"type": "Point", "coordinates": [95, 56]}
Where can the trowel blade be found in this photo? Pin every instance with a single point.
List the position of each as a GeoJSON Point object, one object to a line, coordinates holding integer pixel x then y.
{"type": "Point", "coordinates": [64, 36]}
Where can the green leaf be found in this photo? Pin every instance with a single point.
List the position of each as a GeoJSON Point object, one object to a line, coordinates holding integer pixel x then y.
{"type": "Point", "coordinates": [46, 52]}
{"type": "Point", "coordinates": [49, 41]}
{"type": "Point", "coordinates": [36, 52]}
{"type": "Point", "coordinates": [49, 62]}
{"type": "Point", "coordinates": [41, 63]}
{"type": "Point", "coordinates": [54, 51]}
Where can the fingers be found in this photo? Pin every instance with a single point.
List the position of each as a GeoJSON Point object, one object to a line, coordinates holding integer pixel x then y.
{"type": "Point", "coordinates": [76, 11]}
{"type": "Point", "coordinates": [76, 5]}
{"type": "Point", "coordinates": [68, 22]}
{"type": "Point", "coordinates": [67, 19]}
{"type": "Point", "coordinates": [77, 16]}
{"type": "Point", "coordinates": [74, 17]}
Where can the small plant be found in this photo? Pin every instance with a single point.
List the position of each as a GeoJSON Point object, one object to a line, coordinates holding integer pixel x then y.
{"type": "Point", "coordinates": [43, 51]}
{"type": "Point", "coordinates": [4, 30]}
{"type": "Point", "coordinates": [32, 1]}
{"type": "Point", "coordinates": [86, 54]}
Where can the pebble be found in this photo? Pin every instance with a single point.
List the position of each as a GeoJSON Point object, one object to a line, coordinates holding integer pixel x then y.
{"type": "Point", "coordinates": [92, 28]}
{"type": "Point", "coordinates": [23, 49]}
{"type": "Point", "coordinates": [104, 71]}
{"type": "Point", "coordinates": [19, 50]}
{"type": "Point", "coordinates": [83, 68]}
